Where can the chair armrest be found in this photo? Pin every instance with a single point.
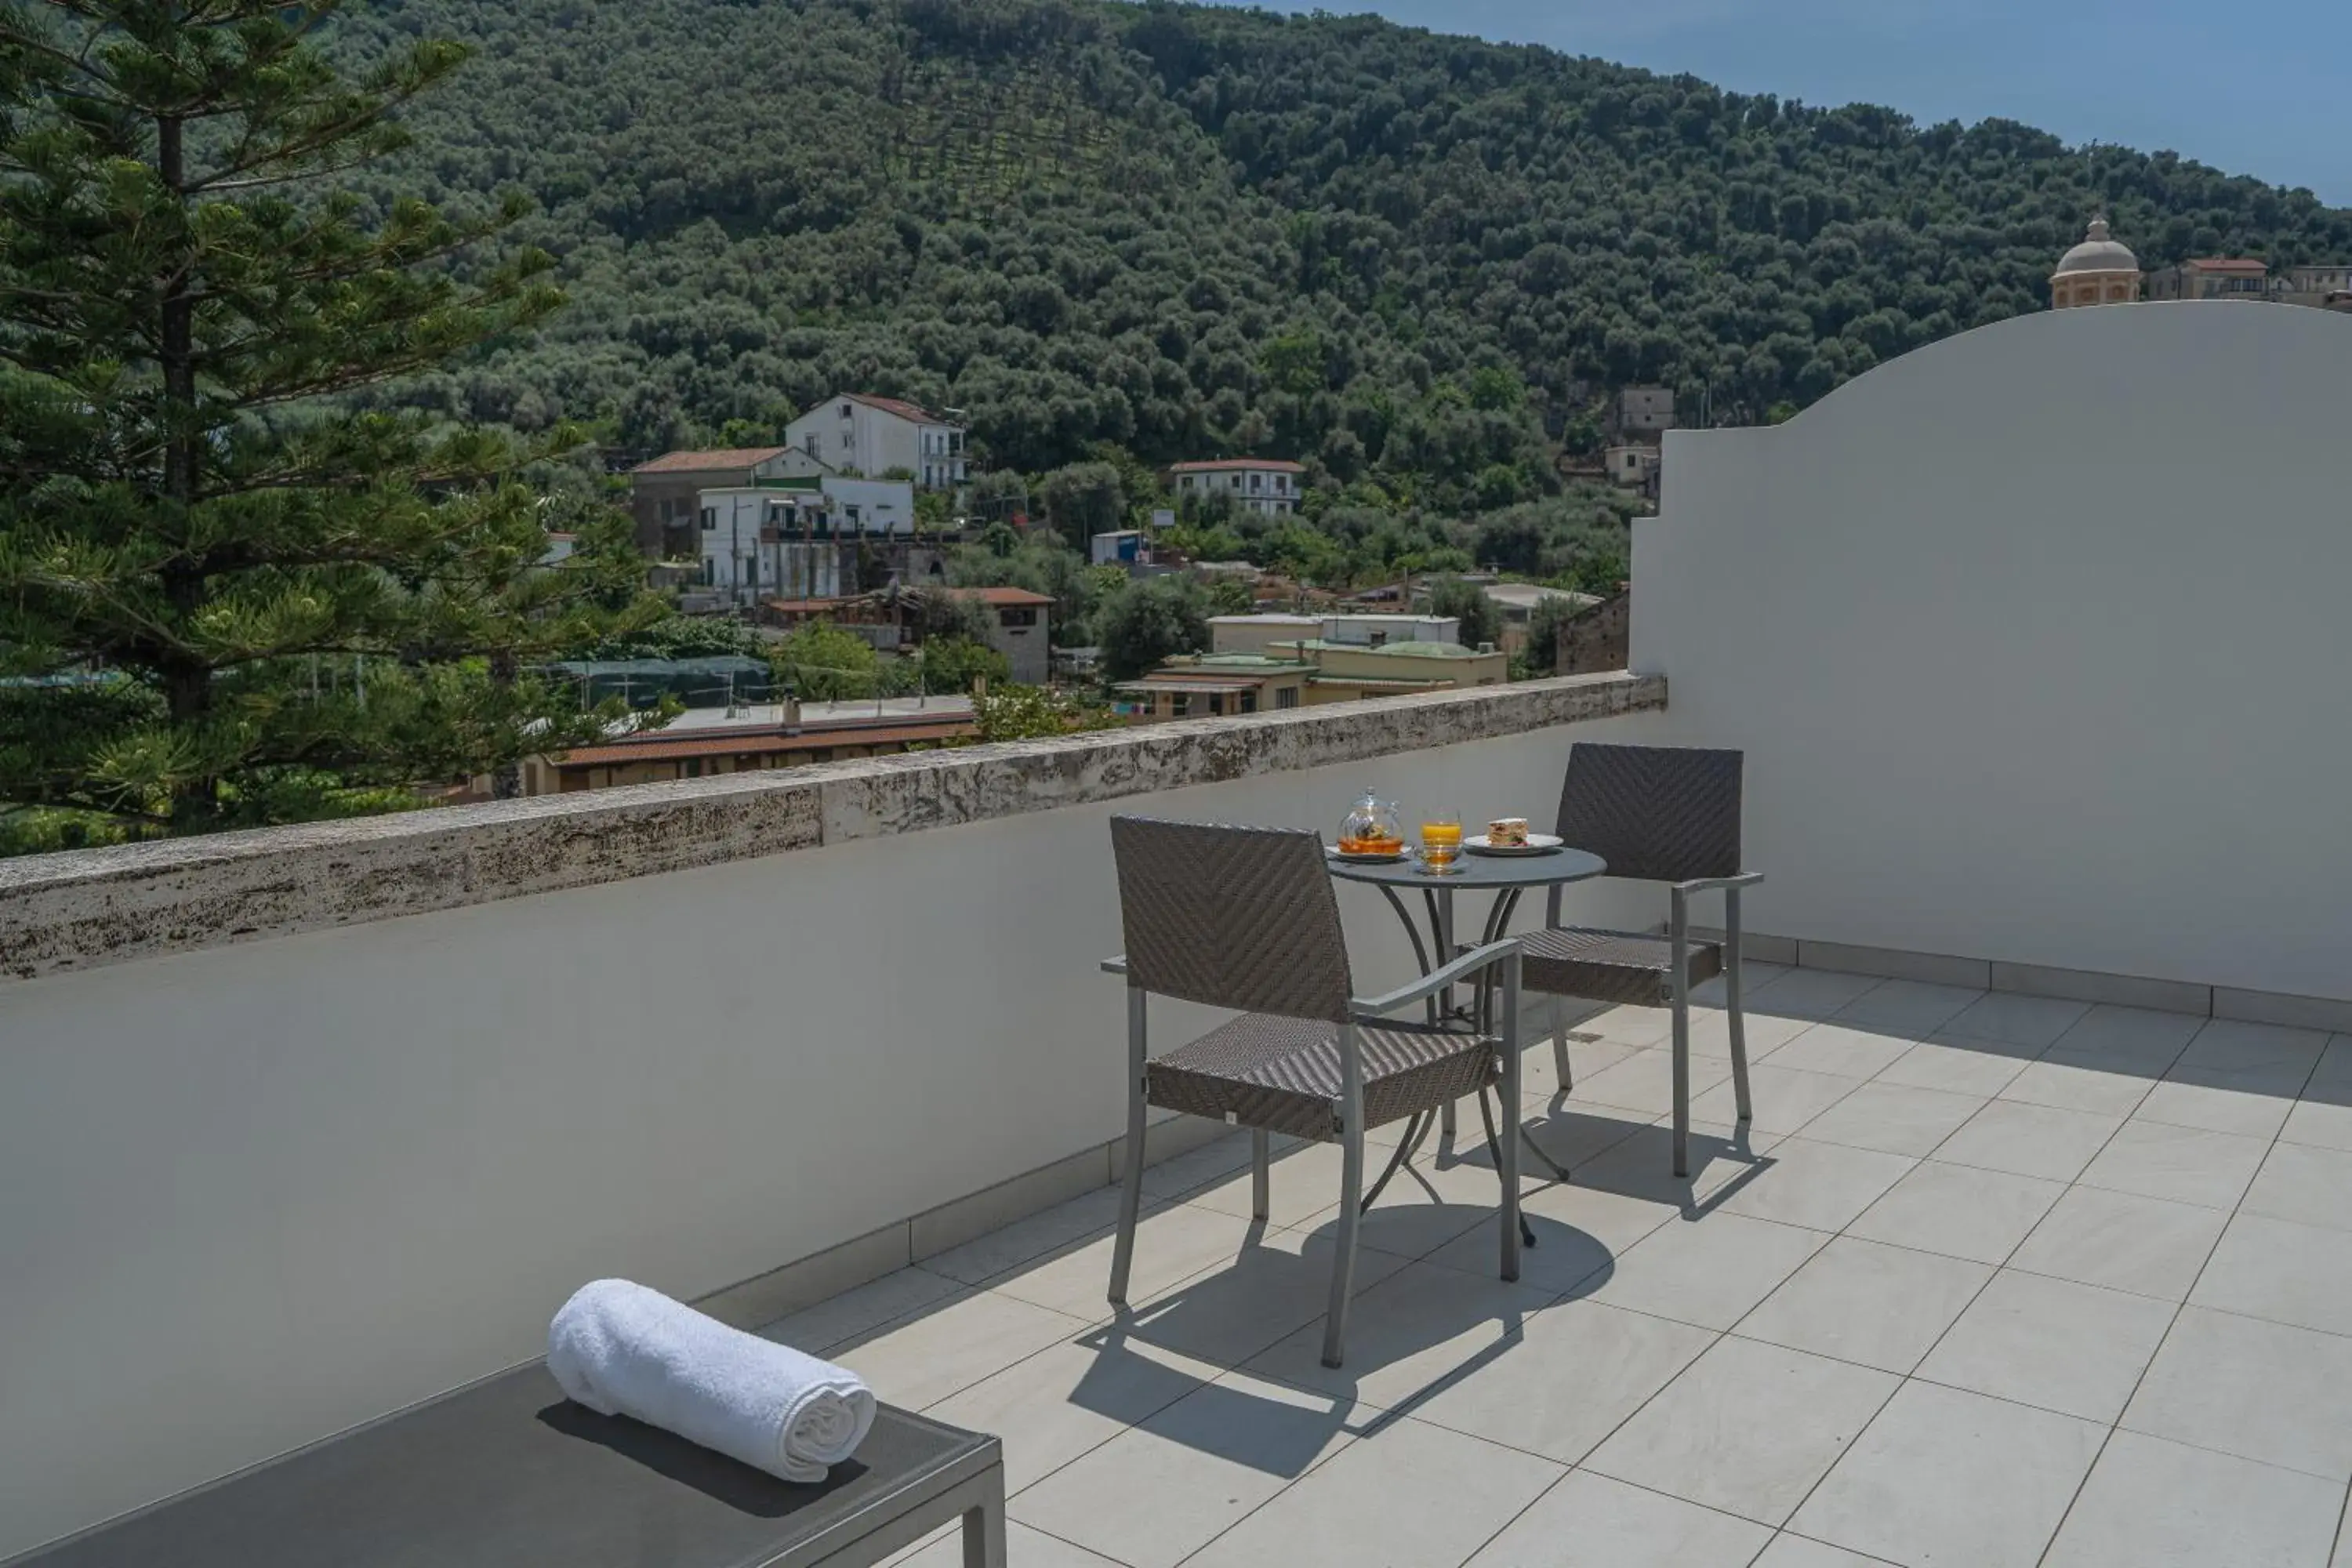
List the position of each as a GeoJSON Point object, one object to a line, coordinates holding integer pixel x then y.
{"type": "Point", "coordinates": [1436, 980]}
{"type": "Point", "coordinates": [1114, 966]}
{"type": "Point", "coordinates": [1727, 884]}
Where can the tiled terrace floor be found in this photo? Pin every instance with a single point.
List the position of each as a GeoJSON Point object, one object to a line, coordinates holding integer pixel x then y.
{"type": "Point", "coordinates": [1997, 1281]}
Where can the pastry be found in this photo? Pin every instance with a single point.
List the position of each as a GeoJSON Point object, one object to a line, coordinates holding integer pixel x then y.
{"type": "Point", "coordinates": [1507, 833]}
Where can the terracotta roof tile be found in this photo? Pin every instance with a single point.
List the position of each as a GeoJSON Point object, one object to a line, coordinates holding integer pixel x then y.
{"type": "Point", "coordinates": [1222, 464]}
{"type": "Point", "coordinates": [1001, 597]}
{"type": "Point", "coordinates": [706, 461]}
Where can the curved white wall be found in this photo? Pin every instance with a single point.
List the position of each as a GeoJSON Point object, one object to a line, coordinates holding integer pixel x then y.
{"type": "Point", "coordinates": [2039, 641]}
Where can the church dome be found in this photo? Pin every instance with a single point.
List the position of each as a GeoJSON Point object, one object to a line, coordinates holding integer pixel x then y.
{"type": "Point", "coordinates": [2098, 253]}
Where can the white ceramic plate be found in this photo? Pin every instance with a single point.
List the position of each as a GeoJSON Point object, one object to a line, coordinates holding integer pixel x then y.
{"type": "Point", "coordinates": [1352, 858]}
{"type": "Point", "coordinates": [1536, 844]}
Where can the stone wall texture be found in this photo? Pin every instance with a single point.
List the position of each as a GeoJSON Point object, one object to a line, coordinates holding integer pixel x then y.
{"type": "Point", "coordinates": [89, 907]}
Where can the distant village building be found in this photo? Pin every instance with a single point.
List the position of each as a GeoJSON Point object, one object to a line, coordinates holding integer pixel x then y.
{"type": "Point", "coordinates": [1126, 547]}
{"type": "Point", "coordinates": [665, 495]}
{"type": "Point", "coordinates": [1023, 629]}
{"type": "Point", "coordinates": [2325, 285]}
{"type": "Point", "coordinates": [1634, 467]}
{"type": "Point", "coordinates": [876, 435]}
{"type": "Point", "coordinates": [1645, 410]}
{"type": "Point", "coordinates": [705, 742]}
{"type": "Point", "coordinates": [796, 539]}
{"type": "Point", "coordinates": [1517, 603]}
{"type": "Point", "coordinates": [1266, 486]}
{"type": "Point", "coordinates": [1257, 633]}
{"type": "Point", "coordinates": [2102, 270]}
{"type": "Point", "coordinates": [1599, 639]}
{"type": "Point", "coordinates": [1305, 672]}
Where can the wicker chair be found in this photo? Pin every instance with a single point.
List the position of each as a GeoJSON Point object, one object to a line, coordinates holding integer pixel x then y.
{"type": "Point", "coordinates": [1656, 814]}
{"type": "Point", "coordinates": [1244, 918]}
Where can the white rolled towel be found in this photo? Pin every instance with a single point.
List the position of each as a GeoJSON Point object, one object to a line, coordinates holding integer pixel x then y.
{"type": "Point", "coordinates": [622, 1350]}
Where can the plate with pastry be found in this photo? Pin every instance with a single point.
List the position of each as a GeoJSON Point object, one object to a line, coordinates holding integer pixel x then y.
{"type": "Point", "coordinates": [1509, 836]}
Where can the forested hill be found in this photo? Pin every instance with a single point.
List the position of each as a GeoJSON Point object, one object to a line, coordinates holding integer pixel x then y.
{"type": "Point", "coordinates": [1185, 231]}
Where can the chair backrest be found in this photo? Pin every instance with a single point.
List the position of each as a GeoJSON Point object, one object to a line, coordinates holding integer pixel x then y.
{"type": "Point", "coordinates": [1656, 814]}
{"type": "Point", "coordinates": [1233, 916]}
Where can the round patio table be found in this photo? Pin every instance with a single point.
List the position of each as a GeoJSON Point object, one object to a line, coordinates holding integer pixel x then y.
{"type": "Point", "coordinates": [1508, 878]}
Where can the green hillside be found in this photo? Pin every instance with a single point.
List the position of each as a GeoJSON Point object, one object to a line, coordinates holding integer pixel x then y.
{"type": "Point", "coordinates": [1418, 261]}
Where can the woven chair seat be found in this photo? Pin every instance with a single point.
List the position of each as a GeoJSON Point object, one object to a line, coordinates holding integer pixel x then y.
{"type": "Point", "coordinates": [1283, 1074]}
{"type": "Point", "coordinates": [1613, 966]}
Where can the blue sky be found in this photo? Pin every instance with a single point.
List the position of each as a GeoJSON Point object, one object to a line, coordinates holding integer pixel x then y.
{"type": "Point", "coordinates": [2258, 91]}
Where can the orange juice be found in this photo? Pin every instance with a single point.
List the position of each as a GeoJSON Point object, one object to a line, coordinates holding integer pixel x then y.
{"type": "Point", "coordinates": [1440, 842]}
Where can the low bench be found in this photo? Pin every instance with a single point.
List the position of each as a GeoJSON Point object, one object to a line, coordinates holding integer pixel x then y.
{"type": "Point", "coordinates": [508, 1473]}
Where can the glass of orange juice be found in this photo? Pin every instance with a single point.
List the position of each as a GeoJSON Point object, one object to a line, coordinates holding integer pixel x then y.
{"type": "Point", "coordinates": [1440, 842]}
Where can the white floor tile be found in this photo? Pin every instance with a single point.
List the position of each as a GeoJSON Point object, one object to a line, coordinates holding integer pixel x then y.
{"type": "Point", "coordinates": [2261, 1391]}
{"type": "Point", "coordinates": [1911, 1007]}
{"type": "Point", "coordinates": [2029, 1139]}
{"type": "Point", "coordinates": [1821, 1186]}
{"type": "Point", "coordinates": [1237, 1306]}
{"type": "Point", "coordinates": [1710, 1271]}
{"type": "Point", "coordinates": [1419, 1328]}
{"type": "Point", "coordinates": [1868, 1303]}
{"type": "Point", "coordinates": [1845, 1049]}
{"type": "Point", "coordinates": [1068, 1399]}
{"type": "Point", "coordinates": [817, 1328]}
{"type": "Point", "coordinates": [1796, 1551]}
{"type": "Point", "coordinates": [1407, 1493]}
{"type": "Point", "coordinates": [1595, 1364]}
{"type": "Point", "coordinates": [2309, 1185]}
{"type": "Point", "coordinates": [2262, 1058]}
{"type": "Point", "coordinates": [1747, 1429]}
{"type": "Point", "coordinates": [1958, 1066]}
{"type": "Point", "coordinates": [1893, 1118]}
{"type": "Point", "coordinates": [1571, 1134]}
{"type": "Point", "coordinates": [1812, 993]}
{"type": "Point", "coordinates": [1057, 1229]}
{"type": "Point", "coordinates": [1580, 1233]}
{"type": "Point", "coordinates": [1428, 1203]}
{"type": "Point", "coordinates": [1592, 1522]}
{"type": "Point", "coordinates": [2122, 1241]}
{"type": "Point", "coordinates": [2154, 1504]}
{"type": "Point", "coordinates": [2286, 1273]}
{"type": "Point", "coordinates": [1945, 1476]}
{"type": "Point", "coordinates": [1302, 1180]}
{"type": "Point", "coordinates": [920, 1361]}
{"type": "Point", "coordinates": [1783, 1100]}
{"type": "Point", "coordinates": [1158, 1492]}
{"type": "Point", "coordinates": [1959, 1211]}
{"type": "Point", "coordinates": [1171, 1243]}
{"type": "Point", "coordinates": [1022, 1545]}
{"type": "Point", "coordinates": [2131, 1037]}
{"type": "Point", "coordinates": [2185, 1164]}
{"type": "Point", "coordinates": [2067, 1081]}
{"type": "Point", "coordinates": [1645, 1082]}
{"type": "Point", "coordinates": [2012, 1019]}
{"type": "Point", "coordinates": [2075, 1349]}
{"type": "Point", "coordinates": [2219, 1106]}
{"type": "Point", "coordinates": [2320, 1120]}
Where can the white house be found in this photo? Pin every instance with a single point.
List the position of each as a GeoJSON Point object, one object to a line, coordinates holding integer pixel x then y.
{"type": "Point", "coordinates": [874, 435]}
{"type": "Point", "coordinates": [782, 539]}
{"type": "Point", "coordinates": [1268, 486]}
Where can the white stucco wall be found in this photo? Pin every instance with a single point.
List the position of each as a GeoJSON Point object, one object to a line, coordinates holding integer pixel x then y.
{"type": "Point", "coordinates": [255, 1194]}
{"type": "Point", "coordinates": [2027, 668]}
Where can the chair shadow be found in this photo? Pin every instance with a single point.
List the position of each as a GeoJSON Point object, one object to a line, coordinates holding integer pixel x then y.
{"type": "Point", "coordinates": [1263, 1430]}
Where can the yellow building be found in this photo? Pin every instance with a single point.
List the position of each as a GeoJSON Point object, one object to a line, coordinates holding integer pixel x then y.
{"type": "Point", "coordinates": [1342, 672]}
{"type": "Point", "coordinates": [1214, 685]}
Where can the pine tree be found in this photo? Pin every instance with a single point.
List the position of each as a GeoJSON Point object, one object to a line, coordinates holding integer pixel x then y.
{"type": "Point", "coordinates": [230, 590]}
